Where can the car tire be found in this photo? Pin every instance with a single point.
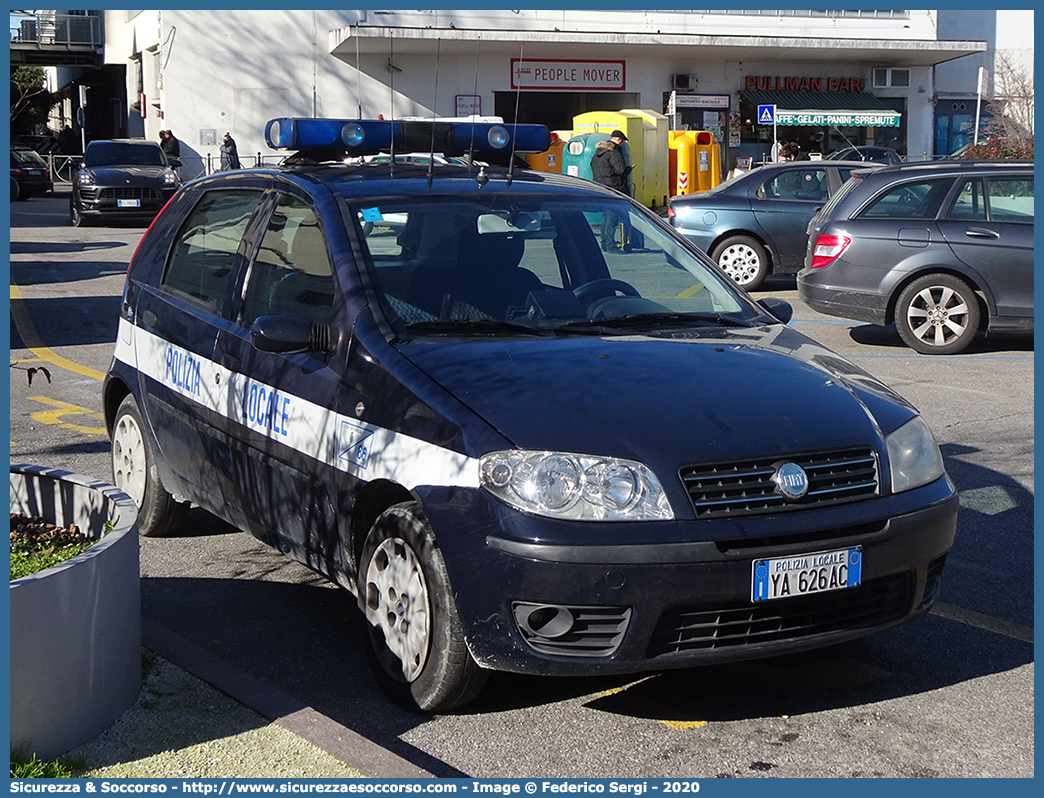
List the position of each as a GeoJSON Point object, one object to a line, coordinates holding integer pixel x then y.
{"type": "Point", "coordinates": [134, 471]}
{"type": "Point", "coordinates": [16, 190]}
{"type": "Point", "coordinates": [744, 259]}
{"type": "Point", "coordinates": [417, 647]}
{"type": "Point", "coordinates": [77, 218]}
{"type": "Point", "coordinates": [937, 314]}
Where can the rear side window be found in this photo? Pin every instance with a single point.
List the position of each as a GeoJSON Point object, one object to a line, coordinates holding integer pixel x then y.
{"type": "Point", "coordinates": [1010, 198]}
{"type": "Point", "coordinates": [204, 252]}
{"type": "Point", "coordinates": [913, 200]}
{"type": "Point", "coordinates": [799, 184]}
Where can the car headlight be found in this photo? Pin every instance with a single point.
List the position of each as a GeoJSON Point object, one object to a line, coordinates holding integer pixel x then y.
{"type": "Point", "coordinates": [170, 179]}
{"type": "Point", "coordinates": [575, 486]}
{"type": "Point", "coordinates": [913, 456]}
{"type": "Point", "coordinates": [85, 179]}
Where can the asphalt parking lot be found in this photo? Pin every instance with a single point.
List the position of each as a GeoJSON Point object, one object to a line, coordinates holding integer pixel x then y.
{"type": "Point", "coordinates": [950, 695]}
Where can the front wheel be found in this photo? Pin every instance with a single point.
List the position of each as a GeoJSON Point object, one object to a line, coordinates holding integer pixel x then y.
{"type": "Point", "coordinates": [744, 259]}
{"type": "Point", "coordinates": [937, 314]}
{"type": "Point", "coordinates": [75, 217]}
{"type": "Point", "coordinates": [417, 646]}
{"type": "Point", "coordinates": [134, 471]}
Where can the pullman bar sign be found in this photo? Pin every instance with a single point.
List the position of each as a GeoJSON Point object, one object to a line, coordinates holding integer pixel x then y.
{"type": "Point", "coordinates": [804, 84]}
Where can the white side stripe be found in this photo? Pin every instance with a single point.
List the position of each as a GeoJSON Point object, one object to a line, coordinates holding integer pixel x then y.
{"type": "Point", "coordinates": [347, 443]}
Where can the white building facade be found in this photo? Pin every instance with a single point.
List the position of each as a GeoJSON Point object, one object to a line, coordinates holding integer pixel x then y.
{"type": "Point", "coordinates": [873, 75]}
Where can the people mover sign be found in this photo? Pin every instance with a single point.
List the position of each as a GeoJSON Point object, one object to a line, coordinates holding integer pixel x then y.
{"type": "Point", "coordinates": [561, 74]}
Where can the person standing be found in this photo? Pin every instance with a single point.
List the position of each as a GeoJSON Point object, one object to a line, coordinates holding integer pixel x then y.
{"type": "Point", "coordinates": [609, 168]}
{"type": "Point", "coordinates": [229, 154]}
{"type": "Point", "coordinates": [170, 145]}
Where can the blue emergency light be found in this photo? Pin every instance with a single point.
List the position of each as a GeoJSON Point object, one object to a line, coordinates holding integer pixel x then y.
{"type": "Point", "coordinates": [373, 136]}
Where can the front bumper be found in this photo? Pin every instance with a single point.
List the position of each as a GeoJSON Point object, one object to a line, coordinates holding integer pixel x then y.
{"type": "Point", "coordinates": [814, 291]}
{"type": "Point", "coordinates": [541, 607]}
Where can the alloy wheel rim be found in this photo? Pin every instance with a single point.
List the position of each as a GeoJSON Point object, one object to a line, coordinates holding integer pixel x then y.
{"type": "Point", "coordinates": [934, 321]}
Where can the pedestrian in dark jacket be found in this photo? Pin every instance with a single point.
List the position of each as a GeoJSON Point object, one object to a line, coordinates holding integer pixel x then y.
{"type": "Point", "coordinates": [609, 168]}
{"type": "Point", "coordinates": [170, 145]}
{"type": "Point", "coordinates": [229, 154]}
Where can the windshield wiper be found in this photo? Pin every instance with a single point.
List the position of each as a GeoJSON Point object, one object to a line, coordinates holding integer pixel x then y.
{"type": "Point", "coordinates": [451, 326]}
{"type": "Point", "coordinates": [638, 320]}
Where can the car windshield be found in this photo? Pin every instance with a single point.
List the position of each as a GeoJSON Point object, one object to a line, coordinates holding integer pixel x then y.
{"type": "Point", "coordinates": [116, 153]}
{"type": "Point", "coordinates": [530, 262]}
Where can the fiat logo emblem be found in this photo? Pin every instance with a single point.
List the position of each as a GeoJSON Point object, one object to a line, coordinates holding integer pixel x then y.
{"type": "Point", "coordinates": [791, 481]}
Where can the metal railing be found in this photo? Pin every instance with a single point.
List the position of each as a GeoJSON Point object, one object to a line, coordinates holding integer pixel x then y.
{"type": "Point", "coordinates": [49, 29]}
{"type": "Point", "coordinates": [63, 166]}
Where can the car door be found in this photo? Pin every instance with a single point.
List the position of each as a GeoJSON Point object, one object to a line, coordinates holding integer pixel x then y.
{"type": "Point", "coordinates": [783, 205]}
{"type": "Point", "coordinates": [281, 407]}
{"type": "Point", "coordinates": [989, 226]}
{"type": "Point", "coordinates": [179, 316]}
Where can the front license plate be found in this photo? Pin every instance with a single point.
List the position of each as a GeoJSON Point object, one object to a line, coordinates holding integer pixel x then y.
{"type": "Point", "coordinates": [804, 574]}
{"type": "Point", "coordinates": [128, 203]}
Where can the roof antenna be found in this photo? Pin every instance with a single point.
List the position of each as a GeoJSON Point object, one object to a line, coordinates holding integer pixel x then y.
{"type": "Point", "coordinates": [392, 69]}
{"type": "Point", "coordinates": [358, 71]}
{"type": "Point", "coordinates": [471, 145]}
{"type": "Point", "coordinates": [514, 124]}
{"type": "Point", "coordinates": [434, 108]}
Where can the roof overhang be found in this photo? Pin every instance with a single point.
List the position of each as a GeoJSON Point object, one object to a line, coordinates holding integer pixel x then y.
{"type": "Point", "coordinates": [346, 42]}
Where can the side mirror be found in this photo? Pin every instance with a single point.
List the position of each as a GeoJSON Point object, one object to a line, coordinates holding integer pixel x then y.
{"type": "Point", "coordinates": [779, 308]}
{"type": "Point", "coordinates": [290, 335]}
{"type": "Point", "coordinates": [174, 163]}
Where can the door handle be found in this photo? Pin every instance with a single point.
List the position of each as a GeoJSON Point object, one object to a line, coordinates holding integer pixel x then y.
{"type": "Point", "coordinates": [231, 362]}
{"type": "Point", "coordinates": [978, 232]}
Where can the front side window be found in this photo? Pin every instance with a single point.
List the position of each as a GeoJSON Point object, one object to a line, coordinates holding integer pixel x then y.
{"type": "Point", "coordinates": [913, 200]}
{"type": "Point", "coordinates": [291, 275]}
{"type": "Point", "coordinates": [204, 253]}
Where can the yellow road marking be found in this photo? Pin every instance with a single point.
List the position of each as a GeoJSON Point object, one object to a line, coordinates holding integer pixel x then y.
{"type": "Point", "coordinates": [35, 345]}
{"type": "Point", "coordinates": [690, 291]}
{"type": "Point", "coordinates": [63, 409]}
{"type": "Point", "coordinates": [982, 621]}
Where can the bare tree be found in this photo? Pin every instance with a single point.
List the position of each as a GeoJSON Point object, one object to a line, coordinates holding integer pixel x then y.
{"type": "Point", "coordinates": [1009, 130]}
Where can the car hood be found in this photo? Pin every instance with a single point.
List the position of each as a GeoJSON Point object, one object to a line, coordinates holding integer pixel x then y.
{"type": "Point", "coordinates": [704, 396]}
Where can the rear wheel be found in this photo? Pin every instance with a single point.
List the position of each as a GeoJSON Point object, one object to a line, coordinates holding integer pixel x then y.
{"type": "Point", "coordinates": [937, 314]}
{"type": "Point", "coordinates": [417, 646]}
{"type": "Point", "coordinates": [16, 190]}
{"type": "Point", "coordinates": [134, 471]}
{"type": "Point", "coordinates": [744, 259]}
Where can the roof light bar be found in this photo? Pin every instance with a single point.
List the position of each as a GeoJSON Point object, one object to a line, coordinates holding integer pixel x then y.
{"type": "Point", "coordinates": [372, 136]}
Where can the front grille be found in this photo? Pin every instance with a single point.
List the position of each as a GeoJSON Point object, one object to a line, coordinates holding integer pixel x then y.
{"type": "Point", "coordinates": [739, 624]}
{"type": "Point", "coordinates": [142, 193]}
{"type": "Point", "coordinates": [747, 488]}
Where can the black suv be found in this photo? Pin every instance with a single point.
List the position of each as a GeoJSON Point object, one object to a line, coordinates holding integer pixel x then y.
{"type": "Point", "coordinates": [122, 178]}
{"type": "Point", "coordinates": [942, 249]}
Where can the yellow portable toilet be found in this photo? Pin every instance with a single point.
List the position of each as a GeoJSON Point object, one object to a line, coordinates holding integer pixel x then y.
{"type": "Point", "coordinates": [682, 177]}
{"type": "Point", "coordinates": [651, 172]}
{"type": "Point", "coordinates": [550, 160]}
{"type": "Point", "coordinates": [646, 147]}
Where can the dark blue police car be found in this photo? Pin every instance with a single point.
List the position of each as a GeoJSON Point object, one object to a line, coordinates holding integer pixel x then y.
{"type": "Point", "coordinates": [521, 452]}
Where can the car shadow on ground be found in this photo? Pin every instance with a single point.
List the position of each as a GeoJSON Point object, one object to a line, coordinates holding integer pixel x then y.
{"type": "Point", "coordinates": [886, 336]}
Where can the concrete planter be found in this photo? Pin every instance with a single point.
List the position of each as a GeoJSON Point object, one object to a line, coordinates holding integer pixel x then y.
{"type": "Point", "coordinates": [75, 627]}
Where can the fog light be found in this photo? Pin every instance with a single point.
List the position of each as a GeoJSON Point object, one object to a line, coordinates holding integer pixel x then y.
{"type": "Point", "coordinates": [542, 620]}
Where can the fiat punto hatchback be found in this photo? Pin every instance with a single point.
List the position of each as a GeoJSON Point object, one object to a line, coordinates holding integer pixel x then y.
{"type": "Point", "coordinates": [518, 451]}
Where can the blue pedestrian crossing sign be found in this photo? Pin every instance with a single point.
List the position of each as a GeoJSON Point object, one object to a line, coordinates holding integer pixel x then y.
{"type": "Point", "coordinates": [766, 114]}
